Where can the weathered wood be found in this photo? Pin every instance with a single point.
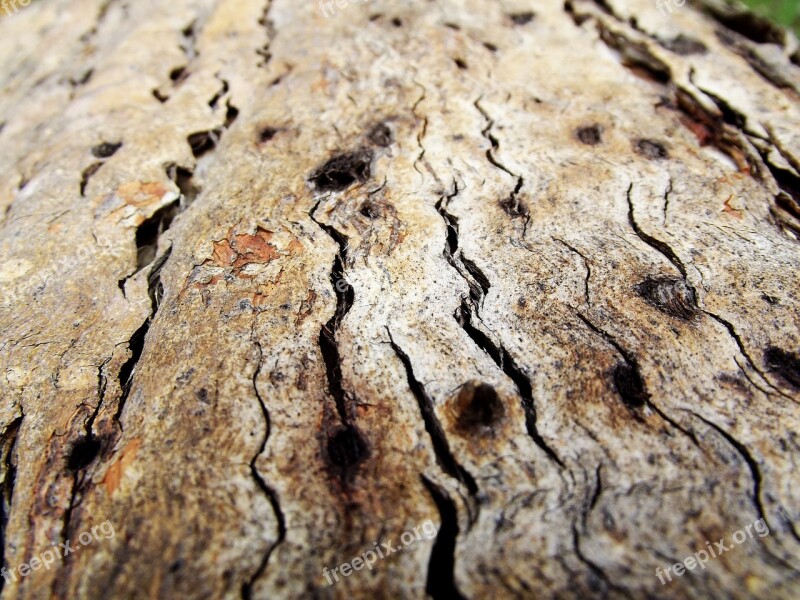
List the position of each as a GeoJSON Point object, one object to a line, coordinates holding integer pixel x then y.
{"type": "Point", "coordinates": [281, 281]}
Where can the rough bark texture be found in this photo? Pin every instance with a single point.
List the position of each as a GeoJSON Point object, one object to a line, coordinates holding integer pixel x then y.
{"type": "Point", "coordinates": [277, 286]}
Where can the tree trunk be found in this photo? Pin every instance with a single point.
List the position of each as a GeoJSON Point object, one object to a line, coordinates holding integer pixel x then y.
{"type": "Point", "coordinates": [510, 288]}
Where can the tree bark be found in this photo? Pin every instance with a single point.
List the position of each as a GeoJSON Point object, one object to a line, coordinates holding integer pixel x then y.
{"type": "Point", "coordinates": [283, 281]}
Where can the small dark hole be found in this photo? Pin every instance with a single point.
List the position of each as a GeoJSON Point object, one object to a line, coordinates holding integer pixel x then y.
{"type": "Point", "coordinates": [460, 63]}
{"type": "Point", "coordinates": [684, 45]}
{"type": "Point", "coordinates": [381, 135]}
{"type": "Point", "coordinates": [159, 96]}
{"type": "Point", "coordinates": [671, 296]}
{"type": "Point", "coordinates": [106, 149]}
{"type": "Point", "coordinates": [650, 149]}
{"type": "Point", "coordinates": [346, 448]}
{"type": "Point", "coordinates": [479, 406]}
{"type": "Point", "coordinates": [370, 211]}
{"type": "Point", "coordinates": [231, 114]}
{"type": "Point", "coordinates": [83, 453]}
{"type": "Point", "coordinates": [266, 134]}
{"type": "Point", "coordinates": [202, 142]}
{"type": "Point", "coordinates": [785, 364]}
{"type": "Point", "coordinates": [522, 18]}
{"type": "Point", "coordinates": [341, 171]}
{"type": "Point", "coordinates": [453, 26]}
{"type": "Point", "coordinates": [397, 22]}
{"type": "Point", "coordinates": [490, 47]}
{"type": "Point", "coordinates": [591, 135]}
{"type": "Point", "coordinates": [178, 74]}
{"type": "Point", "coordinates": [630, 385]}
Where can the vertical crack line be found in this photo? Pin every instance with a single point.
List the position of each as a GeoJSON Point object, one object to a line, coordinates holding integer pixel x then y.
{"type": "Point", "coordinates": [666, 200]}
{"type": "Point", "coordinates": [345, 296]}
{"type": "Point", "coordinates": [631, 361]}
{"type": "Point", "coordinates": [265, 22]}
{"type": "Point", "coordinates": [658, 245]}
{"type": "Point", "coordinates": [479, 286]}
{"type": "Point", "coordinates": [512, 202]}
{"type": "Point", "coordinates": [423, 130]}
{"type": "Point", "coordinates": [740, 344]}
{"type": "Point", "coordinates": [155, 290]}
{"type": "Point", "coordinates": [271, 495]}
{"type": "Point", "coordinates": [444, 455]}
{"type": "Point", "coordinates": [80, 475]}
{"type": "Point", "coordinates": [585, 264]}
{"type": "Point", "coordinates": [668, 253]}
{"type": "Point", "coordinates": [440, 583]}
{"type": "Point", "coordinates": [598, 489]}
{"type": "Point", "coordinates": [596, 571]}
{"type": "Point", "coordinates": [755, 473]}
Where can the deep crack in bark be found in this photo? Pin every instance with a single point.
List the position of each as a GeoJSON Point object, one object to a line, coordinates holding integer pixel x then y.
{"type": "Point", "coordinates": [247, 588]}
{"type": "Point", "coordinates": [444, 455]}
{"type": "Point", "coordinates": [327, 335]}
{"type": "Point", "coordinates": [479, 287]}
{"type": "Point", "coordinates": [440, 583]}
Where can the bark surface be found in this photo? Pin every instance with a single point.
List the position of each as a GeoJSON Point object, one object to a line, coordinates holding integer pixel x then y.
{"type": "Point", "coordinates": [277, 286]}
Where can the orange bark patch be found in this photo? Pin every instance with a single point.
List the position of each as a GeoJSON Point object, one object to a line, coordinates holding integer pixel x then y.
{"type": "Point", "coordinates": [244, 249]}
{"type": "Point", "coordinates": [137, 193]}
{"type": "Point", "coordinates": [116, 471]}
{"type": "Point", "coordinates": [731, 210]}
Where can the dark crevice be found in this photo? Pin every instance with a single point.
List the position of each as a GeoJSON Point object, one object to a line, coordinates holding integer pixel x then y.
{"type": "Point", "coordinates": [522, 18]}
{"type": "Point", "coordinates": [106, 149]}
{"type": "Point", "coordinates": [785, 364]}
{"type": "Point", "coordinates": [628, 381]}
{"type": "Point", "coordinates": [327, 335]}
{"type": "Point", "coordinates": [505, 363]}
{"type": "Point", "coordinates": [599, 581]}
{"type": "Point", "coordinates": [341, 171]}
{"type": "Point", "coordinates": [440, 583]}
{"type": "Point", "coordinates": [269, 493]}
{"type": "Point", "coordinates": [722, 131]}
{"type": "Point", "coordinates": [775, 74]}
{"type": "Point", "coordinates": [444, 456]}
{"type": "Point", "coordinates": [203, 142]}
{"type": "Point", "coordinates": [183, 179]}
{"type": "Point", "coordinates": [512, 205]}
{"type": "Point", "coordinates": [670, 295]}
{"type": "Point", "coordinates": [8, 442]}
{"type": "Point", "coordinates": [743, 351]}
{"type": "Point", "coordinates": [755, 470]}
{"type": "Point", "coordinates": [423, 130]}
{"type": "Point", "coordinates": [266, 23]}
{"type": "Point", "coordinates": [745, 22]}
{"type": "Point", "coordinates": [468, 311]}
{"type": "Point", "coordinates": [586, 266]}
{"type": "Point", "coordinates": [654, 243]}
{"type": "Point", "coordinates": [635, 55]}
{"type": "Point", "coordinates": [222, 91]}
{"type": "Point", "coordinates": [83, 452]}
{"type": "Point", "coordinates": [136, 342]}
{"type": "Point", "coordinates": [86, 175]}
{"type": "Point", "coordinates": [149, 232]}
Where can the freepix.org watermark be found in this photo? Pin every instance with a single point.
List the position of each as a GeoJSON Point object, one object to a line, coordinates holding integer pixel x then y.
{"type": "Point", "coordinates": [701, 557]}
{"type": "Point", "coordinates": [328, 8]}
{"type": "Point", "coordinates": [48, 557]}
{"type": "Point", "coordinates": [369, 557]}
{"type": "Point", "coordinates": [9, 7]}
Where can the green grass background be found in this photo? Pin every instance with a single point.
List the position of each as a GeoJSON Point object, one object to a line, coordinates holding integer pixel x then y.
{"type": "Point", "coordinates": [785, 12]}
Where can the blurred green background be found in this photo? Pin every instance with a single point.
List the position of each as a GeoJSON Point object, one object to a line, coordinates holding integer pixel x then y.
{"type": "Point", "coordinates": [785, 12]}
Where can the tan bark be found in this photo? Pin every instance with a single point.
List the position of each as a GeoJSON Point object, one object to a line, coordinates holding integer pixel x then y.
{"type": "Point", "coordinates": [277, 286]}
